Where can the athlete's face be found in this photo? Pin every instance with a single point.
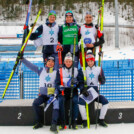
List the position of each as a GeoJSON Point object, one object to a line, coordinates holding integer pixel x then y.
{"type": "Point", "coordinates": [90, 63]}
{"type": "Point", "coordinates": [50, 63]}
{"type": "Point", "coordinates": [68, 63]}
{"type": "Point", "coordinates": [69, 19]}
{"type": "Point", "coordinates": [51, 18]}
{"type": "Point", "coordinates": [88, 19]}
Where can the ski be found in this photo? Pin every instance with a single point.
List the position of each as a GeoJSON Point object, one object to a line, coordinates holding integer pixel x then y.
{"type": "Point", "coordinates": [101, 29]}
{"type": "Point", "coordinates": [21, 51]}
{"type": "Point", "coordinates": [25, 28]}
{"type": "Point", "coordinates": [98, 24]}
{"type": "Point", "coordinates": [59, 49]}
{"type": "Point", "coordinates": [85, 80]}
{"type": "Point", "coordinates": [100, 55]}
{"type": "Point", "coordinates": [72, 86]}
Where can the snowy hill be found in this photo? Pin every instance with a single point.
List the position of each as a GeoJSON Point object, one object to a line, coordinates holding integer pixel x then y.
{"type": "Point", "coordinates": [126, 15]}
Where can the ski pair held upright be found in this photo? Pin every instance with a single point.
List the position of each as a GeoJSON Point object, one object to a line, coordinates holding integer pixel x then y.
{"type": "Point", "coordinates": [21, 51]}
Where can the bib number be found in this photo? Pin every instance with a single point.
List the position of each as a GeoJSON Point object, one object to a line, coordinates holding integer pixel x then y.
{"type": "Point", "coordinates": [48, 85]}
{"type": "Point", "coordinates": [51, 40]}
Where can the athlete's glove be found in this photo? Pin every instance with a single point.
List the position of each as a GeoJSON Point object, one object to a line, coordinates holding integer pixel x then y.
{"type": "Point", "coordinates": [85, 92]}
{"type": "Point", "coordinates": [19, 56]}
{"type": "Point", "coordinates": [59, 47]}
{"type": "Point", "coordinates": [61, 88]}
{"type": "Point", "coordinates": [51, 98]}
{"type": "Point", "coordinates": [101, 79]}
{"type": "Point", "coordinates": [73, 81]}
{"type": "Point", "coordinates": [96, 26]}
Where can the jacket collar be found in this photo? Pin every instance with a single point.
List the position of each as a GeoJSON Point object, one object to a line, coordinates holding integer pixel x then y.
{"type": "Point", "coordinates": [91, 68]}
{"type": "Point", "coordinates": [88, 25]}
{"type": "Point", "coordinates": [50, 24]}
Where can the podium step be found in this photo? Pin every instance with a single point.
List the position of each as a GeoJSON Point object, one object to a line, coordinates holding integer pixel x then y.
{"type": "Point", "coordinates": [17, 113]}
{"type": "Point", "coordinates": [21, 113]}
{"type": "Point", "coordinates": [119, 112]}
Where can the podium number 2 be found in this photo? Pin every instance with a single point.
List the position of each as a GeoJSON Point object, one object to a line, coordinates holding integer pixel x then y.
{"type": "Point", "coordinates": [19, 116]}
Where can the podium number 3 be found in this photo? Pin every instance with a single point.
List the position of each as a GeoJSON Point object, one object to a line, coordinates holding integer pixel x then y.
{"type": "Point", "coordinates": [120, 115]}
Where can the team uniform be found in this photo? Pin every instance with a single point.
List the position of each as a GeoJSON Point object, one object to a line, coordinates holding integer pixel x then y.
{"type": "Point", "coordinates": [47, 92]}
{"type": "Point", "coordinates": [66, 38]}
{"type": "Point", "coordinates": [47, 36]}
{"type": "Point", "coordinates": [89, 33]}
{"type": "Point", "coordinates": [78, 83]}
{"type": "Point", "coordinates": [94, 75]}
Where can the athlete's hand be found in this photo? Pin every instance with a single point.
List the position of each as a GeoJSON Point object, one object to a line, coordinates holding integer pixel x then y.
{"type": "Point", "coordinates": [89, 45]}
{"type": "Point", "coordinates": [85, 93]}
{"type": "Point", "coordinates": [50, 99]}
{"type": "Point", "coordinates": [62, 88]}
{"type": "Point", "coordinates": [20, 56]}
{"type": "Point", "coordinates": [59, 47]}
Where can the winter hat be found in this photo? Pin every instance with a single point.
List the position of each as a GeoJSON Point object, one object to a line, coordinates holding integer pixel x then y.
{"type": "Point", "coordinates": [68, 56]}
{"type": "Point", "coordinates": [50, 58]}
{"type": "Point", "coordinates": [52, 12]}
{"type": "Point", "coordinates": [89, 56]}
{"type": "Point", "coordinates": [88, 13]}
{"type": "Point", "coordinates": [89, 52]}
{"type": "Point", "coordinates": [69, 13]}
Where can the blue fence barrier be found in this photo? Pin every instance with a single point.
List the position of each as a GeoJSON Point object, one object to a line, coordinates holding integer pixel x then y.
{"type": "Point", "coordinates": [13, 91]}
{"type": "Point", "coordinates": [119, 64]}
{"type": "Point", "coordinates": [30, 85]}
{"type": "Point", "coordinates": [118, 87]}
{"type": "Point", "coordinates": [17, 48]}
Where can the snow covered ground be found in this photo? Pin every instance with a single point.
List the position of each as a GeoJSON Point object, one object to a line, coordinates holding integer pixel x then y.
{"type": "Point", "coordinates": [112, 129]}
{"type": "Point", "coordinates": [108, 54]}
{"type": "Point", "coordinates": [118, 54]}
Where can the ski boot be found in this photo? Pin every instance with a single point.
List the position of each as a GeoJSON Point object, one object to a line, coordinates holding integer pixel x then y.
{"type": "Point", "coordinates": [53, 128]}
{"type": "Point", "coordinates": [84, 124]}
{"type": "Point", "coordinates": [74, 125]}
{"type": "Point", "coordinates": [102, 123]}
{"type": "Point", "coordinates": [62, 127]}
{"type": "Point", "coordinates": [37, 125]}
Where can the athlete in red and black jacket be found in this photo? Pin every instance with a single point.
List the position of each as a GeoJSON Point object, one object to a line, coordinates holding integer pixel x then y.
{"type": "Point", "coordinates": [90, 33]}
